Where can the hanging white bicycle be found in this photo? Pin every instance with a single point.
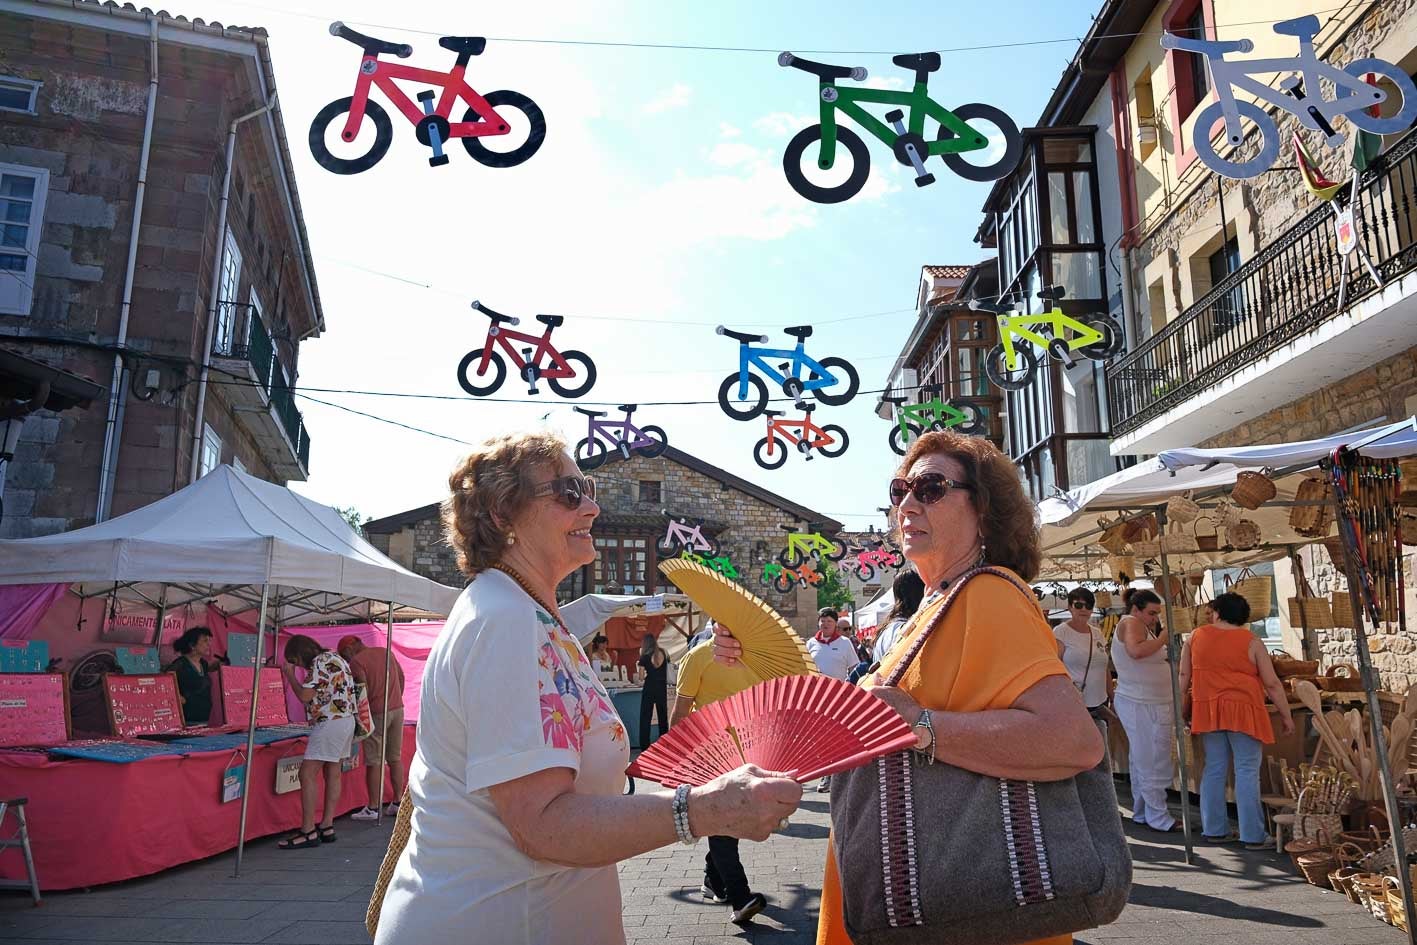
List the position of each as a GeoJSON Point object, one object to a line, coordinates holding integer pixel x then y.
{"type": "Point", "coordinates": [1300, 94]}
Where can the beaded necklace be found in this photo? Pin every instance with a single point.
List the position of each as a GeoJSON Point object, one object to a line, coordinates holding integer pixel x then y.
{"type": "Point", "coordinates": [526, 588]}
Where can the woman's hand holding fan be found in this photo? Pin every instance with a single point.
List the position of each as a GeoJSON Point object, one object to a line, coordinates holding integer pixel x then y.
{"type": "Point", "coordinates": [748, 803]}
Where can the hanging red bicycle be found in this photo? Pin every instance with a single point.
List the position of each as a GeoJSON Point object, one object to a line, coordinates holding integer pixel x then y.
{"type": "Point", "coordinates": [486, 117]}
{"type": "Point", "coordinates": [483, 370]}
{"type": "Point", "coordinates": [771, 451]}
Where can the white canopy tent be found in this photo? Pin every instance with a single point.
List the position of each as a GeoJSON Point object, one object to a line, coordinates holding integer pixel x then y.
{"type": "Point", "coordinates": [231, 539]}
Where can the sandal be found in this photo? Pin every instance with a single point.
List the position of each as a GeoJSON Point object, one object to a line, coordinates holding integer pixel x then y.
{"type": "Point", "coordinates": [327, 834]}
{"type": "Point", "coordinates": [299, 840]}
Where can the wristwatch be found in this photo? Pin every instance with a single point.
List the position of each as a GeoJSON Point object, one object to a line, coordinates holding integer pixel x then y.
{"type": "Point", "coordinates": [928, 724]}
{"type": "Point", "coordinates": [680, 809]}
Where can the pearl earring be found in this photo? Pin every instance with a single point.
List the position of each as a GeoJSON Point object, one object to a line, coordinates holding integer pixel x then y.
{"type": "Point", "coordinates": [511, 538]}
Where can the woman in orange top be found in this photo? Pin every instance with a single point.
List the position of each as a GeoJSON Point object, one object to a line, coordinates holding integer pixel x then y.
{"type": "Point", "coordinates": [987, 692]}
{"type": "Point", "coordinates": [1225, 672]}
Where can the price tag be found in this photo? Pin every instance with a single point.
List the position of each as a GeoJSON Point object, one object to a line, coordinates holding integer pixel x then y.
{"type": "Point", "coordinates": [231, 783]}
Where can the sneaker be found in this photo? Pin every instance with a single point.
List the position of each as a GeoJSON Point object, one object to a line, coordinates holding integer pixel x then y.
{"type": "Point", "coordinates": [364, 813]}
{"type": "Point", "coordinates": [825, 786]}
{"type": "Point", "coordinates": [391, 810]}
{"type": "Point", "coordinates": [751, 908]}
{"type": "Point", "coordinates": [711, 896]}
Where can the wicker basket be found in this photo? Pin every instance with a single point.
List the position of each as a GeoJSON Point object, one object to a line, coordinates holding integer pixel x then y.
{"type": "Point", "coordinates": [1258, 590]}
{"type": "Point", "coordinates": [1312, 521]}
{"type": "Point", "coordinates": [1396, 911]}
{"type": "Point", "coordinates": [1104, 599]}
{"type": "Point", "coordinates": [1342, 677]}
{"type": "Point", "coordinates": [1146, 548]}
{"type": "Point", "coordinates": [1122, 567]}
{"type": "Point", "coordinates": [1183, 618]}
{"type": "Point", "coordinates": [1341, 880]}
{"type": "Point", "coordinates": [1286, 665]}
{"type": "Point", "coordinates": [1292, 682]}
{"type": "Point", "coordinates": [1181, 510]}
{"type": "Point", "coordinates": [1209, 542]}
{"type": "Point", "coordinates": [1111, 537]}
{"type": "Point", "coordinates": [398, 839]}
{"type": "Point", "coordinates": [1371, 891]}
{"type": "Point", "coordinates": [1252, 489]}
{"type": "Point", "coordinates": [1311, 612]}
{"type": "Point", "coordinates": [1366, 841]}
{"type": "Point", "coordinates": [1408, 525]}
{"type": "Point", "coordinates": [1341, 606]}
{"type": "Point", "coordinates": [1243, 535]}
{"type": "Point", "coordinates": [1179, 543]}
{"type": "Point", "coordinates": [1316, 866]}
{"type": "Point", "coordinates": [1141, 527]}
{"type": "Point", "coordinates": [1227, 513]}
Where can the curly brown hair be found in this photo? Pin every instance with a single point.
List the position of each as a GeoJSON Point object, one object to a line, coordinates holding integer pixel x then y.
{"type": "Point", "coordinates": [493, 485]}
{"type": "Point", "coordinates": [1008, 519]}
{"type": "Point", "coordinates": [302, 650]}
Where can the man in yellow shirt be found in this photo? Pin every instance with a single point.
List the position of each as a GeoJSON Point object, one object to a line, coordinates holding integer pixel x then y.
{"type": "Point", "coordinates": [703, 681]}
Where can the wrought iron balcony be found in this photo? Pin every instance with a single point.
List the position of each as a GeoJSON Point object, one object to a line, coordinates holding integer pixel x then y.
{"type": "Point", "coordinates": [1286, 291]}
{"type": "Point", "coordinates": [254, 384]}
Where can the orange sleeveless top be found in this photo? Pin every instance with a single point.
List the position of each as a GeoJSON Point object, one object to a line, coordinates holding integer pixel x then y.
{"type": "Point", "coordinates": [1226, 694]}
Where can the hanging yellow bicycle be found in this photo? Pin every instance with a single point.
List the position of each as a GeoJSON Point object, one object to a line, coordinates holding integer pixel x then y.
{"type": "Point", "coordinates": [1012, 365]}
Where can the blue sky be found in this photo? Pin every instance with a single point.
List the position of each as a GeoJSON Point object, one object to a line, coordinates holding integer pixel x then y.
{"type": "Point", "coordinates": [658, 196]}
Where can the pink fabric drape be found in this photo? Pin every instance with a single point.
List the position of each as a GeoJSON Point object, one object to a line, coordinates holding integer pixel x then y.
{"type": "Point", "coordinates": [22, 606]}
{"type": "Point", "coordinates": [221, 625]}
{"type": "Point", "coordinates": [412, 641]}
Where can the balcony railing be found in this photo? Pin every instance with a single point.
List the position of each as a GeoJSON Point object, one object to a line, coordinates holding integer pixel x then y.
{"type": "Point", "coordinates": [283, 403]}
{"type": "Point", "coordinates": [1286, 291]}
{"type": "Point", "coordinates": [241, 336]}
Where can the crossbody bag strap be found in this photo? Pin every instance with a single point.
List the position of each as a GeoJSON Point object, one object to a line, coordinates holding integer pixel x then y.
{"type": "Point", "coordinates": [919, 642]}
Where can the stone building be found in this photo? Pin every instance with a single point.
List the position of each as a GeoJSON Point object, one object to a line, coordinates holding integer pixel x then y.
{"type": "Point", "coordinates": [748, 522]}
{"type": "Point", "coordinates": [182, 288]}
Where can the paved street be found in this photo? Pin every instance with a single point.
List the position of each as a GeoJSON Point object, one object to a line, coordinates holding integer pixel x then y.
{"type": "Point", "coordinates": [319, 897]}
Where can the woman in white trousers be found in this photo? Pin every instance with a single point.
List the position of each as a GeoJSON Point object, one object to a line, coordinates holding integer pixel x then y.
{"type": "Point", "coordinates": [1143, 703]}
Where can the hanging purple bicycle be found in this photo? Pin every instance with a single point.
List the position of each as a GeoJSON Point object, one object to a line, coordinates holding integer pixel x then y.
{"type": "Point", "coordinates": [624, 436]}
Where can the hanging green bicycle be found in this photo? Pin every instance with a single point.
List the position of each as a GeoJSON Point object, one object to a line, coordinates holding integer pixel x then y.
{"type": "Point", "coordinates": [912, 420]}
{"type": "Point", "coordinates": [1012, 366]}
{"type": "Point", "coordinates": [905, 135]}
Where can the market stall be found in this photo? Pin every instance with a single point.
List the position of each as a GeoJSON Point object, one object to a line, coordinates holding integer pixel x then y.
{"type": "Point", "coordinates": [258, 553]}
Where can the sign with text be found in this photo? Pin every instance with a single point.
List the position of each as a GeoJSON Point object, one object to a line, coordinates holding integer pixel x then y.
{"type": "Point", "coordinates": [24, 656]}
{"type": "Point", "coordinates": [34, 709]}
{"type": "Point", "coordinates": [655, 605]}
{"type": "Point", "coordinates": [136, 625]}
{"type": "Point", "coordinates": [288, 774]}
{"type": "Point", "coordinates": [241, 649]}
{"type": "Point", "coordinates": [231, 783]}
{"type": "Point", "coordinates": [137, 659]}
{"type": "Point", "coordinates": [142, 705]}
{"type": "Point", "coordinates": [235, 682]}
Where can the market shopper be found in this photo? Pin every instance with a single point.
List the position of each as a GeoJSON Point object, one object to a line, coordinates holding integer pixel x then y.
{"type": "Point", "coordinates": [1084, 652]}
{"type": "Point", "coordinates": [1144, 704]}
{"type": "Point", "coordinates": [367, 663]}
{"type": "Point", "coordinates": [329, 697]}
{"type": "Point", "coordinates": [193, 670]}
{"type": "Point", "coordinates": [654, 694]}
{"type": "Point", "coordinates": [908, 590]}
{"type": "Point", "coordinates": [832, 651]}
{"type": "Point", "coordinates": [1225, 674]}
{"type": "Point", "coordinates": [987, 691]}
{"type": "Point", "coordinates": [518, 814]}
{"type": "Point", "coordinates": [600, 656]}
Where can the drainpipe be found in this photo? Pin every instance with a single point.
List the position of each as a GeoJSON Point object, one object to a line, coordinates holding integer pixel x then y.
{"type": "Point", "coordinates": [1129, 311]}
{"type": "Point", "coordinates": [117, 402]}
{"type": "Point", "coordinates": [199, 428]}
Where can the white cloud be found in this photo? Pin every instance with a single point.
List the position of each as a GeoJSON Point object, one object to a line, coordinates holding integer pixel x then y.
{"type": "Point", "coordinates": [733, 153]}
{"type": "Point", "coordinates": [783, 124]}
{"type": "Point", "coordinates": [728, 131]}
{"type": "Point", "coordinates": [676, 96]}
{"type": "Point", "coordinates": [892, 83]}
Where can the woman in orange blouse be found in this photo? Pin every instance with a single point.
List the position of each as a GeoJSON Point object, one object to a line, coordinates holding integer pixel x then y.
{"type": "Point", "coordinates": [1226, 672]}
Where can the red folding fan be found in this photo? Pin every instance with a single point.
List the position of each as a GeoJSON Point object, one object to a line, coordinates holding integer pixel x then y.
{"type": "Point", "coordinates": [804, 726]}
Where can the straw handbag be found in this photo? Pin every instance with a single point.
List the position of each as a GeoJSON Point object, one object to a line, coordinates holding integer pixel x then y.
{"type": "Point", "coordinates": [1227, 514]}
{"type": "Point", "coordinates": [1308, 610]}
{"type": "Point", "coordinates": [1243, 535]}
{"type": "Point", "coordinates": [1141, 527]}
{"type": "Point", "coordinates": [1181, 510]}
{"type": "Point", "coordinates": [403, 827]}
{"type": "Point", "coordinates": [1255, 588]}
{"type": "Point", "coordinates": [1112, 538]}
{"type": "Point", "coordinates": [1340, 604]}
{"type": "Point", "coordinates": [1122, 567]}
{"type": "Point", "coordinates": [1252, 489]}
{"type": "Point", "coordinates": [1178, 542]}
{"type": "Point", "coordinates": [1209, 542]}
{"type": "Point", "coordinates": [1146, 548]}
{"type": "Point", "coordinates": [1286, 666]}
{"type": "Point", "coordinates": [1104, 599]}
{"type": "Point", "coordinates": [1312, 521]}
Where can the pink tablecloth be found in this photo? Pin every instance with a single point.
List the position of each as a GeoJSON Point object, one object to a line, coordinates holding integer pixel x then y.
{"type": "Point", "coordinates": [92, 822]}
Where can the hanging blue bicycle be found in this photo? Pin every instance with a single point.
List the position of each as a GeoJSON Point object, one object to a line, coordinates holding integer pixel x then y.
{"type": "Point", "coordinates": [744, 395]}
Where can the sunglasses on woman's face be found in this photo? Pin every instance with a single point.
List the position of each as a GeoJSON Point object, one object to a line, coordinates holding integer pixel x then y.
{"type": "Point", "coordinates": [1079, 605]}
{"type": "Point", "coordinates": [929, 488]}
{"type": "Point", "coordinates": [568, 490]}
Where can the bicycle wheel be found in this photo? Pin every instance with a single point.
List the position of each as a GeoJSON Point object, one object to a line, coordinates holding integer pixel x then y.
{"type": "Point", "coordinates": [846, 382]}
{"type": "Point", "coordinates": [790, 557]}
{"type": "Point", "coordinates": [496, 368]}
{"type": "Point", "coordinates": [363, 156]}
{"type": "Point", "coordinates": [826, 193]}
{"type": "Point", "coordinates": [998, 372]}
{"type": "Point", "coordinates": [711, 548]}
{"type": "Point", "coordinates": [864, 572]}
{"type": "Point", "coordinates": [778, 450]}
{"type": "Point", "coordinates": [1401, 119]}
{"type": "Point", "coordinates": [590, 453]}
{"type": "Point", "coordinates": [753, 406]}
{"type": "Point", "coordinates": [661, 441]}
{"type": "Point", "coordinates": [1244, 169]}
{"type": "Point", "coordinates": [666, 546]}
{"type": "Point", "coordinates": [838, 551]}
{"type": "Point", "coordinates": [1111, 342]}
{"type": "Point", "coordinates": [1005, 163]}
{"type": "Point", "coordinates": [586, 374]}
{"type": "Point", "coordinates": [973, 422]}
{"type": "Point", "coordinates": [900, 442]}
{"type": "Point", "coordinates": [895, 560]}
{"type": "Point", "coordinates": [783, 582]}
{"type": "Point", "coordinates": [833, 450]}
{"type": "Point", "coordinates": [478, 149]}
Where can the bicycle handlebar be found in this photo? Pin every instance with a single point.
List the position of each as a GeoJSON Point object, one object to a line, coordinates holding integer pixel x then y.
{"type": "Point", "coordinates": [822, 70]}
{"type": "Point", "coordinates": [368, 43]}
{"type": "Point", "coordinates": [744, 337]}
{"type": "Point", "coordinates": [495, 316]}
{"type": "Point", "coordinates": [998, 308]}
{"type": "Point", "coordinates": [1206, 47]}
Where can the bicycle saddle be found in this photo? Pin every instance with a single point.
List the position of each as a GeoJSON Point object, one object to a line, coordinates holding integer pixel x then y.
{"type": "Point", "coordinates": [368, 43]}
{"type": "Point", "coordinates": [551, 321]}
{"type": "Point", "coordinates": [742, 336]}
{"type": "Point", "coordinates": [930, 389]}
{"type": "Point", "coordinates": [472, 45]}
{"type": "Point", "coordinates": [920, 62]}
{"type": "Point", "coordinates": [589, 413]}
{"type": "Point", "coordinates": [800, 332]}
{"type": "Point", "coordinates": [1052, 292]}
{"type": "Point", "coordinates": [495, 316]}
{"type": "Point", "coordinates": [629, 408]}
{"type": "Point", "coordinates": [1303, 26]}
{"type": "Point", "coordinates": [806, 408]}
{"type": "Point", "coordinates": [822, 70]}
{"type": "Point", "coordinates": [773, 413]}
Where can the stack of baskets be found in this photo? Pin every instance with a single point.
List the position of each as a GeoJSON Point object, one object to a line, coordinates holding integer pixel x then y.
{"type": "Point", "coordinates": [1341, 677]}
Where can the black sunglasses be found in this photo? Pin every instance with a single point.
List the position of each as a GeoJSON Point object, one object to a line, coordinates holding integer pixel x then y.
{"type": "Point", "coordinates": [568, 490]}
{"type": "Point", "coordinates": [929, 488]}
{"type": "Point", "coordinates": [1077, 603]}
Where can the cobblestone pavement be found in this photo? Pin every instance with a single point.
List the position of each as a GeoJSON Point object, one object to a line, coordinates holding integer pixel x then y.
{"type": "Point", "coordinates": [315, 897]}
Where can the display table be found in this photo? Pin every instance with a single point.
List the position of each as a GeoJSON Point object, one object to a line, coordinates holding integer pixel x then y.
{"type": "Point", "coordinates": [93, 822]}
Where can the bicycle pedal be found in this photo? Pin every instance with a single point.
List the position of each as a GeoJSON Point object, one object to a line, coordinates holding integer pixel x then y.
{"type": "Point", "coordinates": [925, 181]}
{"type": "Point", "coordinates": [895, 115]}
{"type": "Point", "coordinates": [438, 160]}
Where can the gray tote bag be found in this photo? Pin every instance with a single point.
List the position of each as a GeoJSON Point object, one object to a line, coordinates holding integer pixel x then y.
{"type": "Point", "coordinates": [936, 855]}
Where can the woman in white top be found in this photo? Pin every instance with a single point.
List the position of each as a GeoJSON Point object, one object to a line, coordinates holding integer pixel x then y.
{"type": "Point", "coordinates": [1083, 651]}
{"type": "Point", "coordinates": [600, 656]}
{"type": "Point", "coordinates": [518, 813]}
{"type": "Point", "coordinates": [1143, 703]}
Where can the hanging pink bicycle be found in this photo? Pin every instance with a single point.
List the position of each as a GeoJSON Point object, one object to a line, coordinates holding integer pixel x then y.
{"type": "Point", "coordinates": [648, 440]}
{"type": "Point", "coordinates": [482, 370]}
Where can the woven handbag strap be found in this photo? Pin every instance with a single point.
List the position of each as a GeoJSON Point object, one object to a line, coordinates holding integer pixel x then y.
{"type": "Point", "coordinates": [403, 827]}
{"type": "Point", "coordinates": [919, 642]}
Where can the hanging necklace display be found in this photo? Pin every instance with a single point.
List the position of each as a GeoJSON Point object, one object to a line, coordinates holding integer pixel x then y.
{"type": "Point", "coordinates": [743, 395]}
{"type": "Point", "coordinates": [904, 134]}
{"type": "Point", "coordinates": [802, 435]}
{"type": "Point", "coordinates": [335, 140]}
{"type": "Point", "coordinates": [1012, 363]}
{"type": "Point", "coordinates": [623, 436]}
{"type": "Point", "coordinates": [482, 370]}
{"type": "Point", "coordinates": [1300, 94]}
